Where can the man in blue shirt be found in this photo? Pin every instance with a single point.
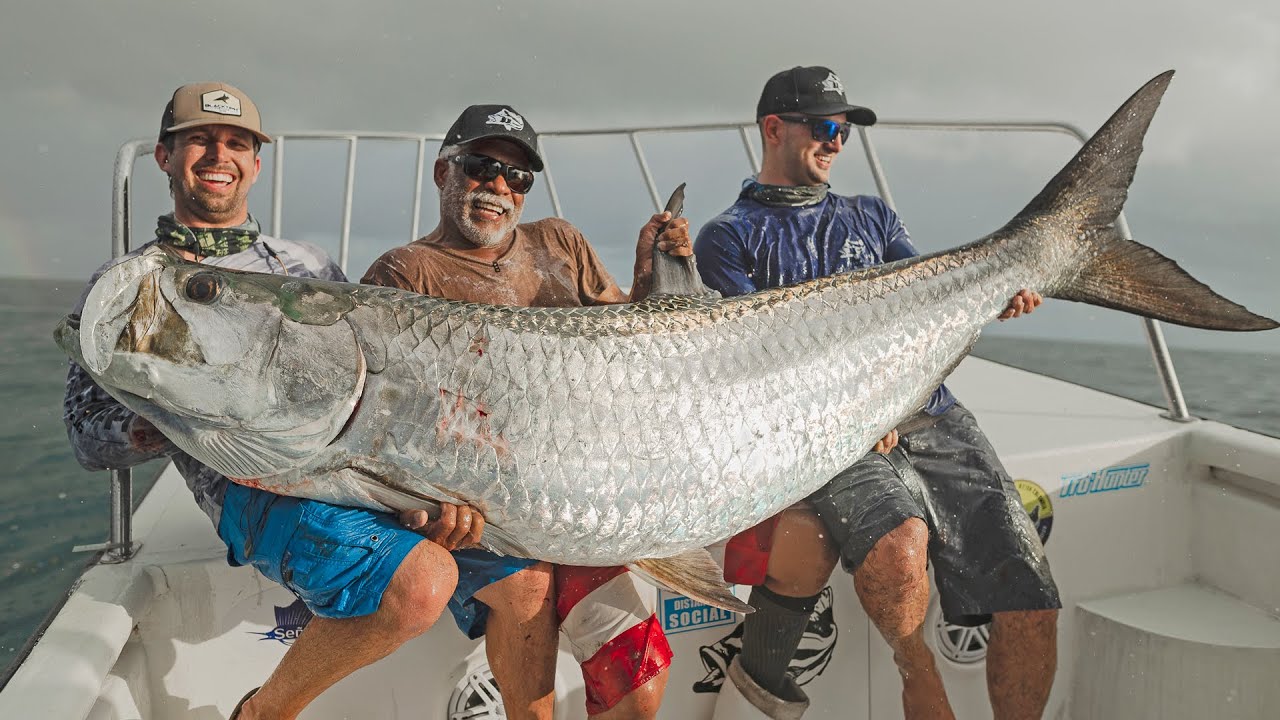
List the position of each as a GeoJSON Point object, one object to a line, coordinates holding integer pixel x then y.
{"type": "Point", "coordinates": [886, 516]}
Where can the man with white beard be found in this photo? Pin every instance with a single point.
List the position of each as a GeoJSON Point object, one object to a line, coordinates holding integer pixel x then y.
{"type": "Point", "coordinates": [480, 252]}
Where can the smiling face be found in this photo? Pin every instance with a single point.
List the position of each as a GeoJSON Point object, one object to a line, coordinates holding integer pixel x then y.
{"type": "Point", "coordinates": [210, 169]}
{"type": "Point", "coordinates": [483, 213]}
{"type": "Point", "coordinates": [793, 157]}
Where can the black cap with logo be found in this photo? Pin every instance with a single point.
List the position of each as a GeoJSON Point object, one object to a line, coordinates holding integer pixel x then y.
{"type": "Point", "coordinates": [809, 91]}
{"type": "Point", "coordinates": [495, 121]}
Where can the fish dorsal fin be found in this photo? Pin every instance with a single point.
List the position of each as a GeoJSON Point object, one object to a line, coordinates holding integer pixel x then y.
{"type": "Point", "coordinates": [693, 574]}
{"type": "Point", "coordinates": [677, 275]}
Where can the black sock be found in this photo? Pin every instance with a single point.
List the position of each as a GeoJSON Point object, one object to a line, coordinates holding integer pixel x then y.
{"type": "Point", "coordinates": [771, 634]}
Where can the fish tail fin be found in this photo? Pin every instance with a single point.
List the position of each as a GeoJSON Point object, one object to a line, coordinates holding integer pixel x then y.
{"type": "Point", "coordinates": [1129, 276]}
{"type": "Point", "coordinates": [1118, 273]}
{"type": "Point", "coordinates": [693, 574]}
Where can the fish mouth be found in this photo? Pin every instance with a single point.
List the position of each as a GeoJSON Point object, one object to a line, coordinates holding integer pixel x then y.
{"type": "Point", "coordinates": [352, 405]}
{"type": "Point", "coordinates": [121, 310]}
{"type": "Point", "coordinates": [147, 314]}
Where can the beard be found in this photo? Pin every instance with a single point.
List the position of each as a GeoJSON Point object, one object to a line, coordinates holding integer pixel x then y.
{"type": "Point", "coordinates": [457, 205]}
{"type": "Point", "coordinates": [210, 207]}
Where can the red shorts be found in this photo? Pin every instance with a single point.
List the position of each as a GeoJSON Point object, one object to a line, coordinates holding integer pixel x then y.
{"type": "Point", "coordinates": [746, 555]}
{"type": "Point", "coordinates": [614, 636]}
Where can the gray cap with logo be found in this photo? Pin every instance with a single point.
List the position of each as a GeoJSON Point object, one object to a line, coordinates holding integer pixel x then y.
{"type": "Point", "coordinates": [211, 103]}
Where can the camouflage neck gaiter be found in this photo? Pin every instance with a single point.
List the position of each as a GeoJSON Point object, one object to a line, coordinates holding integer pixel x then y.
{"type": "Point", "coordinates": [207, 242]}
{"type": "Point", "coordinates": [787, 195]}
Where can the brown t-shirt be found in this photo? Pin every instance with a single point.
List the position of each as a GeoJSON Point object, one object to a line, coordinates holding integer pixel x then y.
{"type": "Point", "coordinates": [547, 263]}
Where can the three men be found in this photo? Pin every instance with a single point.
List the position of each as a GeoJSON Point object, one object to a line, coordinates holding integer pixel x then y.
{"type": "Point", "coordinates": [481, 252]}
{"type": "Point", "coordinates": [942, 496]}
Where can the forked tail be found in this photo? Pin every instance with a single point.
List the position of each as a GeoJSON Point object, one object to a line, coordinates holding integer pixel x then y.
{"type": "Point", "coordinates": [1087, 196]}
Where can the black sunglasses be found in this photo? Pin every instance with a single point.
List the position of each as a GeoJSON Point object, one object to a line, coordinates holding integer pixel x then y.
{"type": "Point", "coordinates": [485, 168]}
{"type": "Point", "coordinates": [823, 130]}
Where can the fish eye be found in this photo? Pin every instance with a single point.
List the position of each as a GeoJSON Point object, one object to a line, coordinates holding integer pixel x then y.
{"type": "Point", "coordinates": [204, 287]}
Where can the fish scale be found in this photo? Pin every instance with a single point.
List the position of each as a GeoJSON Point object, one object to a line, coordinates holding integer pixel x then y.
{"type": "Point", "coordinates": [633, 434]}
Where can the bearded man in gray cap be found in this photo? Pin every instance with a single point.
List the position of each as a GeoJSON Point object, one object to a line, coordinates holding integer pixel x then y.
{"type": "Point", "coordinates": [941, 496]}
{"type": "Point", "coordinates": [482, 253]}
{"type": "Point", "coordinates": [377, 583]}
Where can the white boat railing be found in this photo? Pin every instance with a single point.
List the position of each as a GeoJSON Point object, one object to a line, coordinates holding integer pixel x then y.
{"type": "Point", "coordinates": [119, 546]}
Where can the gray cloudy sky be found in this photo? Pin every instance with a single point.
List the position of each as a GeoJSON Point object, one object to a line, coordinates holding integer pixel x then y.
{"type": "Point", "coordinates": [80, 77]}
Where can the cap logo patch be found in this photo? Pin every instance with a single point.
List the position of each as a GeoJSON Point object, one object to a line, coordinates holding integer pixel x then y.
{"type": "Point", "coordinates": [220, 102]}
{"type": "Point", "coordinates": [507, 119]}
{"type": "Point", "coordinates": [832, 84]}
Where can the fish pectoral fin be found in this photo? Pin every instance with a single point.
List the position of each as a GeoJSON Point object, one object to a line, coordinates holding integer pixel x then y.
{"type": "Point", "coordinates": [916, 421]}
{"type": "Point", "coordinates": [494, 539]}
{"type": "Point", "coordinates": [693, 574]}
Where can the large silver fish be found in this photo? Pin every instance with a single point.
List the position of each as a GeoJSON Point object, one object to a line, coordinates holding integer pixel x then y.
{"type": "Point", "coordinates": [631, 434]}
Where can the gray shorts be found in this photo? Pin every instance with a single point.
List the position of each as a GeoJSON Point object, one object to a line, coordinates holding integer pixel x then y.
{"type": "Point", "coordinates": [985, 552]}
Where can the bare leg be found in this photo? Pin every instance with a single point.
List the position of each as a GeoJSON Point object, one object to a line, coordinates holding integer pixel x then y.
{"type": "Point", "coordinates": [893, 585]}
{"type": "Point", "coordinates": [521, 641]}
{"type": "Point", "coordinates": [639, 704]}
{"type": "Point", "coordinates": [329, 650]}
{"type": "Point", "coordinates": [803, 554]}
{"type": "Point", "coordinates": [801, 559]}
{"type": "Point", "coordinates": [1022, 656]}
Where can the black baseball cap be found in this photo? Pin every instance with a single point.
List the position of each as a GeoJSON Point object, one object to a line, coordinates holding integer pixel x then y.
{"type": "Point", "coordinates": [810, 91]}
{"type": "Point", "coordinates": [495, 121]}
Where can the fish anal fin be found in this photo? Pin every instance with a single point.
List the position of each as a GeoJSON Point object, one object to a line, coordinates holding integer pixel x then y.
{"type": "Point", "coordinates": [693, 574]}
{"type": "Point", "coordinates": [1126, 275]}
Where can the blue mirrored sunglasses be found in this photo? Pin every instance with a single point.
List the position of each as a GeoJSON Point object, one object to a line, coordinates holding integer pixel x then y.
{"type": "Point", "coordinates": [823, 130]}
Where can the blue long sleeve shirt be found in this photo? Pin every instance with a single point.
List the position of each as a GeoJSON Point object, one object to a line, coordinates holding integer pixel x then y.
{"type": "Point", "coordinates": [752, 247]}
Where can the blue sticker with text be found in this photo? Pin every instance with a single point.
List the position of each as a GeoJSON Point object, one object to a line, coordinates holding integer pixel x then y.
{"type": "Point", "coordinates": [678, 614]}
{"type": "Point", "coordinates": [1125, 477]}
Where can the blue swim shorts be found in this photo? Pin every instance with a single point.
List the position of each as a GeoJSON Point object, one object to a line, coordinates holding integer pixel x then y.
{"type": "Point", "coordinates": [476, 570]}
{"type": "Point", "coordinates": [339, 560]}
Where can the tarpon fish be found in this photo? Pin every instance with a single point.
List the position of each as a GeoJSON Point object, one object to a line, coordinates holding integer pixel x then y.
{"type": "Point", "coordinates": [623, 435]}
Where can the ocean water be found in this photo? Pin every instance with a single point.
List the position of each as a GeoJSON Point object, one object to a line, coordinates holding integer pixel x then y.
{"type": "Point", "coordinates": [48, 503]}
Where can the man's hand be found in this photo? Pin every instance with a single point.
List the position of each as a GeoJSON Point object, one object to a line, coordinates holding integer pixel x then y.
{"type": "Point", "coordinates": [144, 436]}
{"type": "Point", "coordinates": [459, 526]}
{"type": "Point", "coordinates": [1024, 302]}
{"type": "Point", "coordinates": [674, 240]}
{"type": "Point", "coordinates": [887, 443]}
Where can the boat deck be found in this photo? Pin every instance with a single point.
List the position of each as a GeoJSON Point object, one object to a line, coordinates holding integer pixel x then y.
{"type": "Point", "coordinates": [176, 632]}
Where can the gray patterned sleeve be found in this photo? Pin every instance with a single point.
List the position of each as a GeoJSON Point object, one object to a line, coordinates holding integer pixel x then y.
{"type": "Point", "coordinates": [98, 426]}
